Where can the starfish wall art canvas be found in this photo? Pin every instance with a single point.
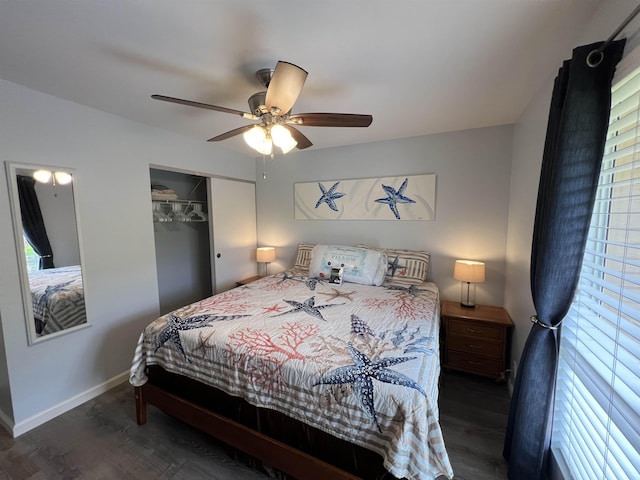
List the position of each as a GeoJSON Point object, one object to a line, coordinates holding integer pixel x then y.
{"type": "Point", "coordinates": [410, 197]}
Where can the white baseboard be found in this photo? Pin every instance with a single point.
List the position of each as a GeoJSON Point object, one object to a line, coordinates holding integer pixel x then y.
{"type": "Point", "coordinates": [6, 422]}
{"type": "Point", "coordinates": [51, 413]}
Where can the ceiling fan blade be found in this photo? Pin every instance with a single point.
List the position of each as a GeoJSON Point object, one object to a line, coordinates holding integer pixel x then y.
{"type": "Point", "coordinates": [191, 103]}
{"type": "Point", "coordinates": [331, 119]}
{"type": "Point", "coordinates": [285, 86]}
{"type": "Point", "coordinates": [303, 142]}
{"type": "Point", "coordinates": [231, 133]}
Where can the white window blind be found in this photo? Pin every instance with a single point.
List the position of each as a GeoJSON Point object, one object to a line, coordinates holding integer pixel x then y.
{"type": "Point", "coordinates": [596, 428]}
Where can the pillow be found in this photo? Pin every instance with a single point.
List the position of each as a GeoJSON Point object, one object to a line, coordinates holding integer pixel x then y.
{"type": "Point", "coordinates": [360, 265]}
{"type": "Point", "coordinates": [303, 258]}
{"type": "Point", "coordinates": [405, 266]}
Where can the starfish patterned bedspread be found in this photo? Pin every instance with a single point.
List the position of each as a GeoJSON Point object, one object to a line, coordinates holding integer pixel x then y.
{"type": "Point", "coordinates": [58, 298]}
{"type": "Point", "coordinates": [359, 362]}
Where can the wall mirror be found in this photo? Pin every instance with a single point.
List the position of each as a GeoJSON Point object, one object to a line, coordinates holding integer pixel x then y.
{"type": "Point", "coordinates": [45, 221]}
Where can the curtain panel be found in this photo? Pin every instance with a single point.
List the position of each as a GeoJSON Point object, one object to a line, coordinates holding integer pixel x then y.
{"type": "Point", "coordinates": [32, 221]}
{"type": "Point", "coordinates": [574, 145]}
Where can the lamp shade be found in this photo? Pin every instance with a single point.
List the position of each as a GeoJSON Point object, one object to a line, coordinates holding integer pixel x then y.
{"type": "Point", "coordinates": [257, 139]}
{"type": "Point", "coordinates": [265, 254]}
{"type": "Point", "coordinates": [469, 271]}
{"type": "Point", "coordinates": [282, 138]}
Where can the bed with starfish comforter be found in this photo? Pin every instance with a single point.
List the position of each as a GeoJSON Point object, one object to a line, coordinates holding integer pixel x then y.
{"type": "Point", "coordinates": [358, 362]}
{"type": "Point", "coordinates": [58, 298]}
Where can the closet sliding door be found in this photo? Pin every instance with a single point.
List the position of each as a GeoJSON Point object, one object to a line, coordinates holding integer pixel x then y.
{"type": "Point", "coordinates": [233, 215]}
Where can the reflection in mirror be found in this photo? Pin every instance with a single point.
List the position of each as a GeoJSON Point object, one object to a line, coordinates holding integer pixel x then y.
{"type": "Point", "coordinates": [46, 228]}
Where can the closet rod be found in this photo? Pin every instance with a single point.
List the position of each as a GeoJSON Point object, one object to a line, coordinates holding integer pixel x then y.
{"type": "Point", "coordinates": [594, 62]}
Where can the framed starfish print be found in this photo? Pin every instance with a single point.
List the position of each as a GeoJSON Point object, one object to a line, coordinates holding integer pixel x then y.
{"type": "Point", "coordinates": [410, 197]}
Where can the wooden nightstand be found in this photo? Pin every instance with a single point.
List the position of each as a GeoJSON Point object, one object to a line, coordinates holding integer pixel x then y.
{"type": "Point", "coordinates": [248, 280]}
{"type": "Point", "coordinates": [476, 340]}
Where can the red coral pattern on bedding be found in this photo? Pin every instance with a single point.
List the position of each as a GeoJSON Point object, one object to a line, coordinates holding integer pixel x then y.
{"type": "Point", "coordinates": [361, 363]}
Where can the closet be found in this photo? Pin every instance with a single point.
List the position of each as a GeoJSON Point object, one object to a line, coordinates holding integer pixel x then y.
{"type": "Point", "coordinates": [205, 235]}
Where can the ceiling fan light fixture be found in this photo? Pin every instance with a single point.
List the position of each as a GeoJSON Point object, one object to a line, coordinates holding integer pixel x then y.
{"type": "Point", "coordinates": [257, 139]}
{"type": "Point", "coordinates": [63, 178]}
{"type": "Point", "coordinates": [282, 138]}
{"type": "Point", "coordinates": [288, 146]}
{"type": "Point", "coordinates": [273, 107]}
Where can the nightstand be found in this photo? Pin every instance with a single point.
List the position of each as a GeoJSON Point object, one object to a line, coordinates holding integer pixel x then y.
{"type": "Point", "coordinates": [240, 283]}
{"type": "Point", "coordinates": [476, 340]}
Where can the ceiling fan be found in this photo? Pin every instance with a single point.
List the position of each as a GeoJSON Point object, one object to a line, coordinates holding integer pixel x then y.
{"type": "Point", "coordinates": [273, 110]}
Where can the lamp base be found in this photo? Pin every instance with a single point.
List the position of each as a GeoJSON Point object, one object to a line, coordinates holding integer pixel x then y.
{"type": "Point", "coordinates": [468, 294]}
{"type": "Point", "coordinates": [265, 268]}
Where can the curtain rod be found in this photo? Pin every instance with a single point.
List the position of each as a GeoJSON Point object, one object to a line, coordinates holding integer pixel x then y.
{"type": "Point", "coordinates": [592, 61]}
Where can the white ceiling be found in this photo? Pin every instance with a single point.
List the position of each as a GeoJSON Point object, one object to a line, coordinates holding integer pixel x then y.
{"type": "Point", "coordinates": [418, 66]}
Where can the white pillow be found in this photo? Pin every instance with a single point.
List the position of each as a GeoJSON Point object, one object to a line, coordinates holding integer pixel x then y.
{"type": "Point", "coordinates": [360, 265]}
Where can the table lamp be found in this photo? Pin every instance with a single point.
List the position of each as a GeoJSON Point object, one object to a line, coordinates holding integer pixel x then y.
{"type": "Point", "coordinates": [469, 273]}
{"type": "Point", "coordinates": [265, 255]}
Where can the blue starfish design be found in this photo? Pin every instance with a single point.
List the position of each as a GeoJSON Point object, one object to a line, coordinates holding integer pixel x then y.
{"type": "Point", "coordinates": [176, 324]}
{"type": "Point", "coordinates": [394, 265]}
{"type": "Point", "coordinates": [361, 375]}
{"type": "Point", "coordinates": [328, 196]}
{"type": "Point", "coordinates": [411, 289]}
{"type": "Point", "coordinates": [309, 282]}
{"type": "Point", "coordinates": [308, 306]}
{"type": "Point", "coordinates": [50, 290]}
{"type": "Point", "coordinates": [285, 276]}
{"type": "Point", "coordinates": [394, 197]}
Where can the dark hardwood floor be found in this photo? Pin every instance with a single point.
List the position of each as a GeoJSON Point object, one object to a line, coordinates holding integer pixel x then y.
{"type": "Point", "coordinates": [101, 440]}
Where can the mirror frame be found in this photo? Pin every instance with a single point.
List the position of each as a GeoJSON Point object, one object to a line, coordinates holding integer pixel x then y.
{"type": "Point", "coordinates": [12, 172]}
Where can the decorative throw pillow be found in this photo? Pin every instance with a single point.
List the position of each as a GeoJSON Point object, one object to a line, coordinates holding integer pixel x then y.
{"type": "Point", "coordinates": [360, 265]}
{"type": "Point", "coordinates": [405, 266]}
{"type": "Point", "coordinates": [303, 258]}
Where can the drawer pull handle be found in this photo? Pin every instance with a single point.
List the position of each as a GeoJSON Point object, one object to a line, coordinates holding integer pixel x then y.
{"type": "Point", "coordinates": [473, 330]}
{"type": "Point", "coordinates": [471, 362]}
{"type": "Point", "coordinates": [471, 345]}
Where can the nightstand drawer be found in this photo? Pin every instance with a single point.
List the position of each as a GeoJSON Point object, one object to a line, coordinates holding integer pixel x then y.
{"type": "Point", "coordinates": [475, 345]}
{"type": "Point", "coordinates": [475, 329]}
{"type": "Point", "coordinates": [475, 364]}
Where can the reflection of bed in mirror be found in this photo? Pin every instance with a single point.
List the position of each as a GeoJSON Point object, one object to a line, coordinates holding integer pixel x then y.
{"type": "Point", "coordinates": [58, 299]}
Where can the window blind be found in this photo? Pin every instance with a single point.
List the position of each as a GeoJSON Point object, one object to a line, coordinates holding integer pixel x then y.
{"type": "Point", "coordinates": [596, 427]}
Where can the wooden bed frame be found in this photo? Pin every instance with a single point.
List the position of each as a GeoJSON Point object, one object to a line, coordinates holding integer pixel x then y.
{"type": "Point", "coordinates": [272, 452]}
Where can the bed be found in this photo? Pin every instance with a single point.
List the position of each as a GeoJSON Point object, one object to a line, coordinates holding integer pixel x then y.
{"type": "Point", "coordinates": [316, 379]}
{"type": "Point", "coordinates": [58, 298]}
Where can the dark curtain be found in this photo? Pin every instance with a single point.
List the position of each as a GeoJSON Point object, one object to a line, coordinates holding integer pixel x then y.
{"type": "Point", "coordinates": [574, 145]}
{"type": "Point", "coordinates": [32, 221]}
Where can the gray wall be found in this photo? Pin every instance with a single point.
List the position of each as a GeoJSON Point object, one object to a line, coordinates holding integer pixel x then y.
{"type": "Point", "coordinates": [472, 170]}
{"type": "Point", "coordinates": [111, 157]}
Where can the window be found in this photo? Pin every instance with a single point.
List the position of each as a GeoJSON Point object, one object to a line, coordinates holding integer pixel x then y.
{"type": "Point", "coordinates": [33, 259]}
{"type": "Point", "coordinates": [596, 429]}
